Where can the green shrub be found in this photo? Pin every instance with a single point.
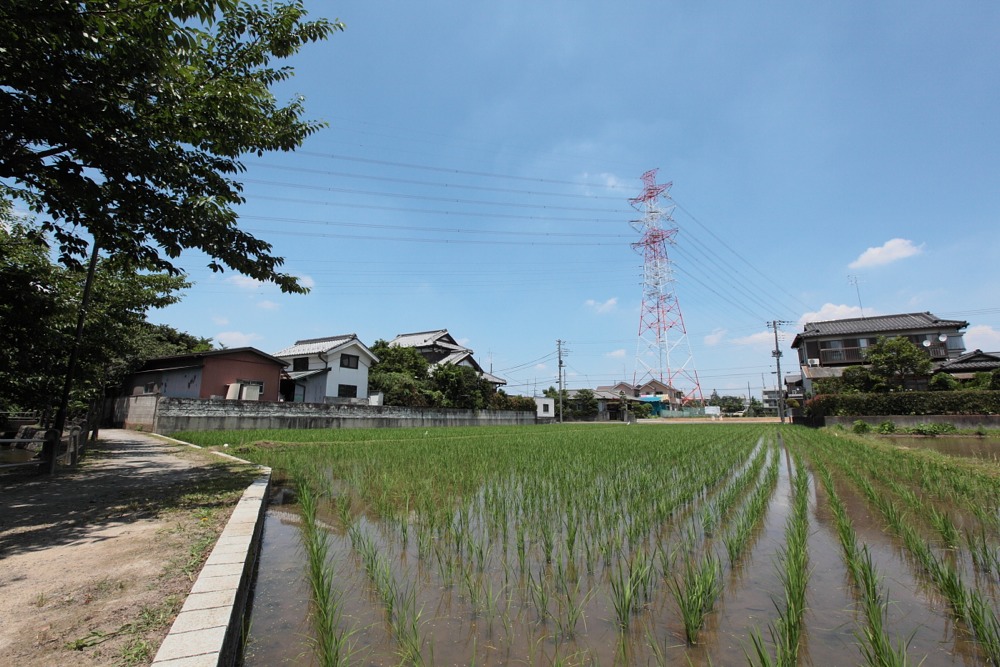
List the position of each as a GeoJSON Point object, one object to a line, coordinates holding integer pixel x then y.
{"type": "Point", "coordinates": [905, 403]}
{"type": "Point", "coordinates": [886, 427]}
{"type": "Point", "coordinates": [860, 426]}
{"type": "Point", "coordinates": [943, 382]}
{"type": "Point", "coordinates": [932, 429]}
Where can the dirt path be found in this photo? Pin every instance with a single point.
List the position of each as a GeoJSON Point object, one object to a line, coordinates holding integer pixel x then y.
{"type": "Point", "coordinates": [95, 562]}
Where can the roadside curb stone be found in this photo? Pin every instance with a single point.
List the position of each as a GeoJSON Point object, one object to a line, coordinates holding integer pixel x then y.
{"type": "Point", "coordinates": [208, 631]}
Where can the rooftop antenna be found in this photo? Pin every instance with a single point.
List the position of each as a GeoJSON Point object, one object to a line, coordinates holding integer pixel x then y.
{"type": "Point", "coordinates": [854, 281]}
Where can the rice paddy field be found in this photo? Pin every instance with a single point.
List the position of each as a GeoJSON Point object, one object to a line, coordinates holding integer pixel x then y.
{"type": "Point", "coordinates": [606, 544]}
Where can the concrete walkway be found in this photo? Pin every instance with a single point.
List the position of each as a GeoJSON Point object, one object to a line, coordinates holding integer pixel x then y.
{"type": "Point", "coordinates": [82, 552]}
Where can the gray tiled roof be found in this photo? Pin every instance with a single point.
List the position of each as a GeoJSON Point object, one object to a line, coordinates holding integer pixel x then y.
{"type": "Point", "coordinates": [315, 345]}
{"type": "Point", "coordinates": [876, 325]}
{"type": "Point", "coordinates": [427, 339]}
{"type": "Point", "coordinates": [972, 362]}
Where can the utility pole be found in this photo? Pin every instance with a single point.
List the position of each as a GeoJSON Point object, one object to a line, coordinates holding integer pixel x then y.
{"type": "Point", "coordinates": [774, 324]}
{"type": "Point", "coordinates": [559, 345]}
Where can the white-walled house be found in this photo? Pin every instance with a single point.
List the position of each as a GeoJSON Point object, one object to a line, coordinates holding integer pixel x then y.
{"type": "Point", "coordinates": [327, 370]}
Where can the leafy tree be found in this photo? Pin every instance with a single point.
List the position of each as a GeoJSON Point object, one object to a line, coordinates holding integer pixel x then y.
{"type": "Point", "coordinates": [641, 410]}
{"type": "Point", "coordinates": [729, 404]}
{"type": "Point", "coordinates": [943, 382]}
{"type": "Point", "coordinates": [124, 122]}
{"type": "Point", "coordinates": [461, 387]}
{"type": "Point", "coordinates": [583, 404]}
{"type": "Point", "coordinates": [859, 379]}
{"type": "Point", "coordinates": [501, 401]}
{"type": "Point", "coordinates": [38, 309]}
{"type": "Point", "coordinates": [892, 361]}
{"type": "Point", "coordinates": [756, 408]}
{"type": "Point", "coordinates": [395, 359]}
{"type": "Point", "coordinates": [405, 390]}
{"type": "Point", "coordinates": [554, 394]}
{"type": "Point", "coordinates": [163, 340]}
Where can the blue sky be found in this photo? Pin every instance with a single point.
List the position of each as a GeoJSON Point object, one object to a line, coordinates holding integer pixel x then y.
{"type": "Point", "coordinates": [476, 172]}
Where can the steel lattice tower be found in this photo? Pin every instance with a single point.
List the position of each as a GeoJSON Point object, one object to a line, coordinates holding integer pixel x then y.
{"type": "Point", "coordinates": [663, 352]}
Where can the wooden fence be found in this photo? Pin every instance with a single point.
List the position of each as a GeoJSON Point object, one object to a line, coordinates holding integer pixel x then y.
{"type": "Point", "coordinates": [49, 449]}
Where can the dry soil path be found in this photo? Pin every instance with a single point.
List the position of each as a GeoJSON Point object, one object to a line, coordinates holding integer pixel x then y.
{"type": "Point", "coordinates": [95, 562]}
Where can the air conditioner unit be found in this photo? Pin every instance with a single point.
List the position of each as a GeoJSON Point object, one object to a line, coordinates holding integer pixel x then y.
{"type": "Point", "coordinates": [813, 362]}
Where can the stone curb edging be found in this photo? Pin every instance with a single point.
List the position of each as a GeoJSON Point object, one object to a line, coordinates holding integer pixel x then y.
{"type": "Point", "coordinates": [209, 628]}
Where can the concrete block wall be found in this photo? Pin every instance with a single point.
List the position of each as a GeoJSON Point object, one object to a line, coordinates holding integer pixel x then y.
{"type": "Point", "coordinates": [172, 415]}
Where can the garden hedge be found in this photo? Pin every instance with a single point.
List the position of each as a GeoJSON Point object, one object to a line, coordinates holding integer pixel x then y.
{"type": "Point", "coordinates": [905, 403]}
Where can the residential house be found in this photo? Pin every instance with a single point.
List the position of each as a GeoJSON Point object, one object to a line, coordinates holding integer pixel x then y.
{"type": "Point", "coordinates": [966, 366]}
{"type": "Point", "coordinates": [439, 348]}
{"type": "Point", "coordinates": [242, 373]}
{"type": "Point", "coordinates": [327, 370]}
{"type": "Point", "coordinates": [825, 349]}
{"type": "Point", "coordinates": [669, 397]}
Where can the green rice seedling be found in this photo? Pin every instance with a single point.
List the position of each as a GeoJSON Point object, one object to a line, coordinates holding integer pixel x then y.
{"type": "Point", "coordinates": [666, 557]}
{"type": "Point", "coordinates": [521, 547]}
{"type": "Point", "coordinates": [406, 628]}
{"type": "Point", "coordinates": [471, 587]}
{"type": "Point", "coordinates": [985, 626]}
{"type": "Point", "coordinates": [985, 555]}
{"type": "Point", "coordinates": [333, 645]}
{"type": "Point", "coordinates": [539, 595]}
{"type": "Point", "coordinates": [589, 554]}
{"type": "Point", "coordinates": [624, 597]}
{"type": "Point", "coordinates": [571, 605]}
{"type": "Point", "coordinates": [696, 593]}
{"type": "Point", "coordinates": [877, 648]}
{"type": "Point", "coordinates": [445, 567]}
{"type": "Point", "coordinates": [641, 571]}
{"type": "Point", "coordinates": [760, 657]}
{"type": "Point", "coordinates": [547, 535]}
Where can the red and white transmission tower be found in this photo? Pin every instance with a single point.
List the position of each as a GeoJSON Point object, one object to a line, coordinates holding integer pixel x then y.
{"type": "Point", "coordinates": [663, 352]}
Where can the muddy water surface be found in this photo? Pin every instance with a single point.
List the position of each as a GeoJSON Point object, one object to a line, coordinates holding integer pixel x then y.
{"type": "Point", "coordinates": [509, 630]}
{"type": "Point", "coordinates": [974, 447]}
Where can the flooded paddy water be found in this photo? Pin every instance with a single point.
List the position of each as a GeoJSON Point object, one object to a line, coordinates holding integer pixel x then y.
{"type": "Point", "coordinates": [953, 445]}
{"type": "Point", "coordinates": [591, 545]}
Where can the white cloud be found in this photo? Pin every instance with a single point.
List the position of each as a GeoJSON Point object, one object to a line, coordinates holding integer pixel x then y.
{"type": "Point", "coordinates": [236, 338]}
{"type": "Point", "coordinates": [715, 337]}
{"type": "Point", "coordinates": [762, 338]}
{"type": "Point", "coordinates": [890, 251]}
{"type": "Point", "coordinates": [982, 337]}
{"type": "Point", "coordinates": [616, 354]}
{"type": "Point", "coordinates": [541, 367]}
{"type": "Point", "coordinates": [602, 307]}
{"type": "Point", "coordinates": [220, 321]}
{"type": "Point", "coordinates": [831, 311]}
{"type": "Point", "coordinates": [267, 305]}
{"type": "Point", "coordinates": [244, 282]}
{"type": "Point", "coordinates": [306, 281]}
{"type": "Point", "coordinates": [609, 181]}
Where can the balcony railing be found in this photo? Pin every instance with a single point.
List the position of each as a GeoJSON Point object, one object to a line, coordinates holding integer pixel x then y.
{"type": "Point", "coordinates": [855, 355]}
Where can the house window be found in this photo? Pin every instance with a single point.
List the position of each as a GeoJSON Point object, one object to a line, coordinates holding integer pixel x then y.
{"type": "Point", "coordinates": [300, 364]}
{"type": "Point", "coordinates": [347, 390]}
{"type": "Point", "coordinates": [545, 407]}
{"type": "Point", "coordinates": [150, 388]}
{"type": "Point", "coordinates": [348, 361]}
